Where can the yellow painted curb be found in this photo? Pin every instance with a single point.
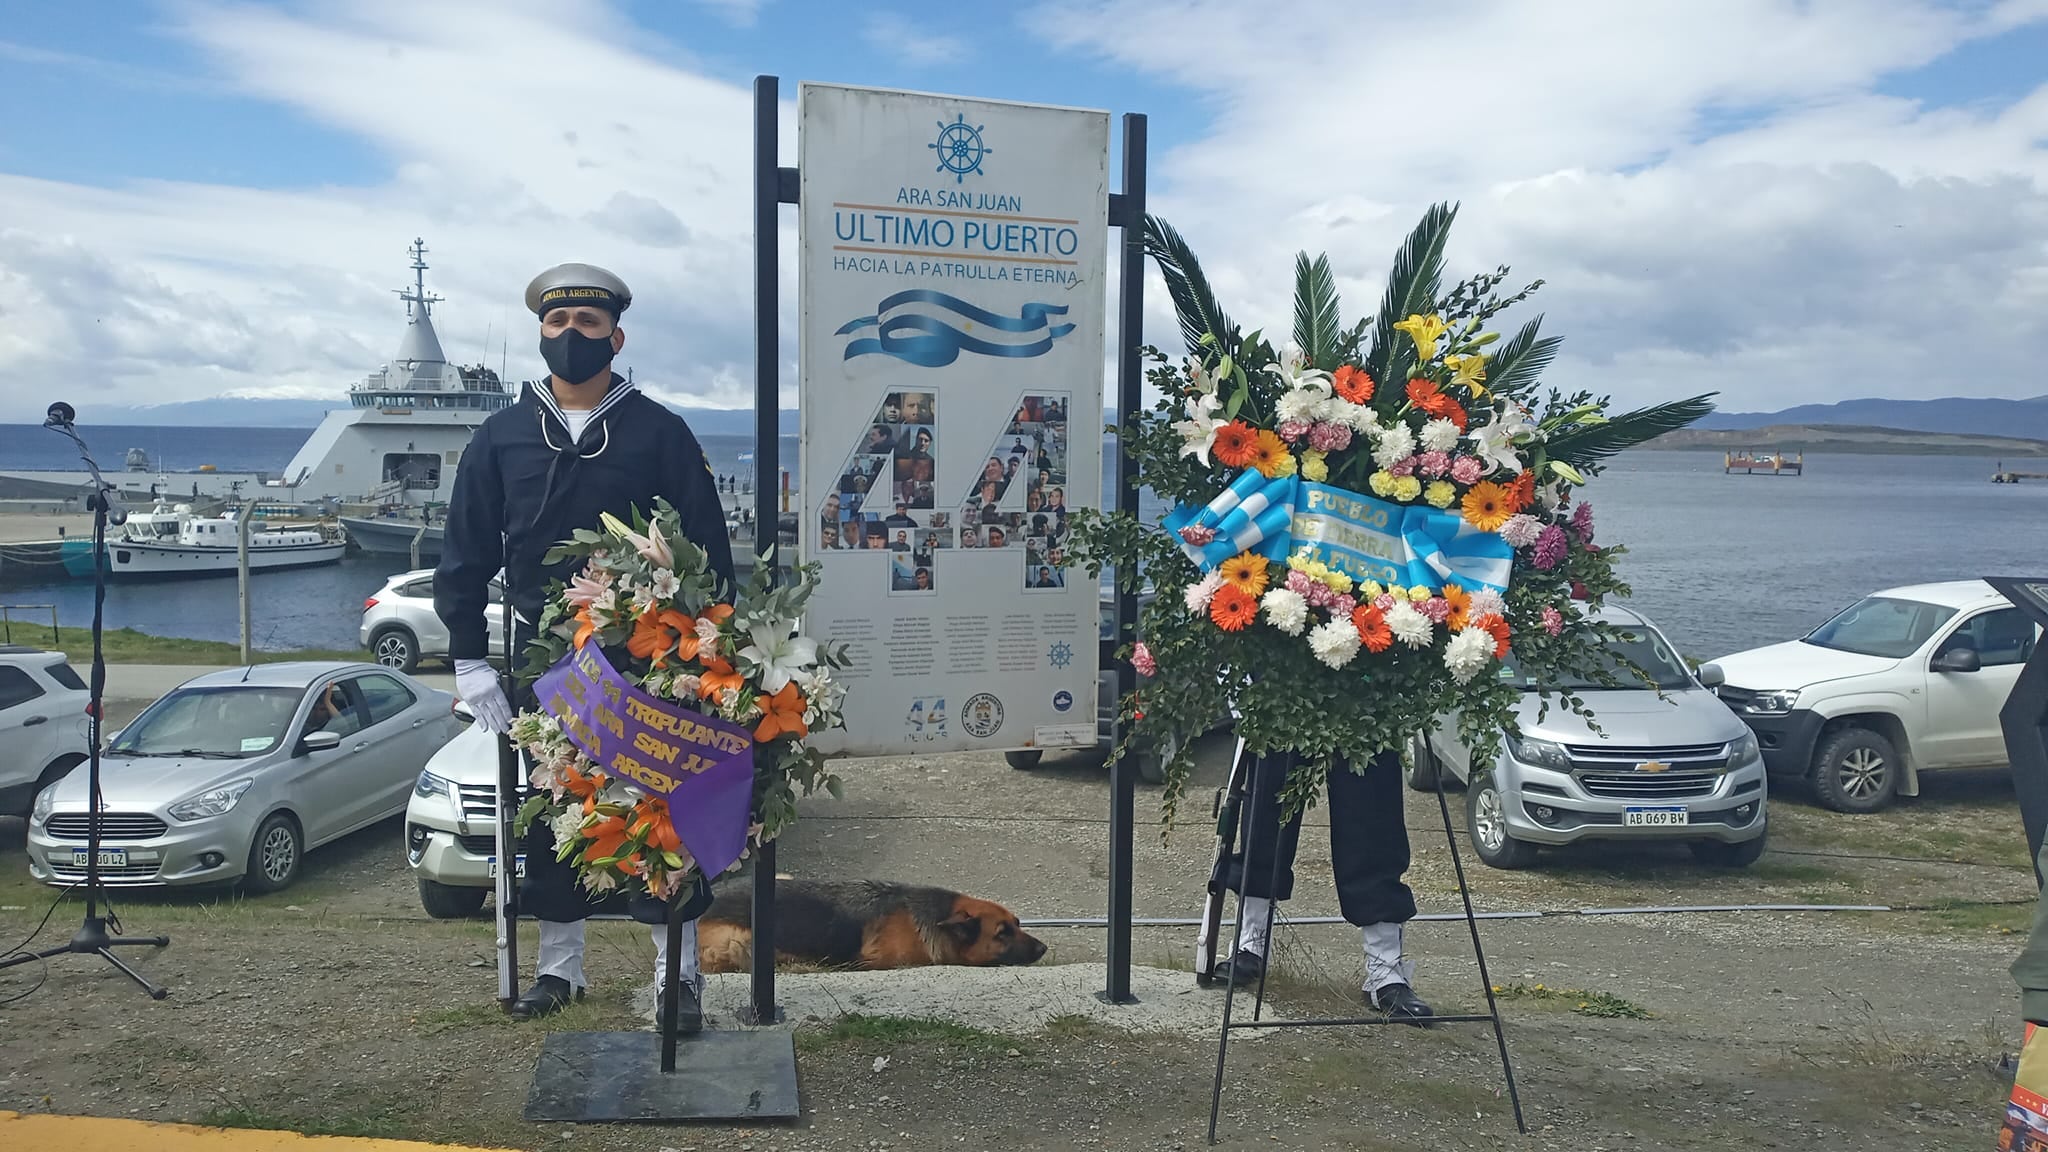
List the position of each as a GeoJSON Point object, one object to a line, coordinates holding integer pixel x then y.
{"type": "Point", "coordinates": [46, 1133]}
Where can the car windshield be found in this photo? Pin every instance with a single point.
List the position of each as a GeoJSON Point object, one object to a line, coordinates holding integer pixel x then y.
{"type": "Point", "coordinates": [229, 722]}
{"type": "Point", "coordinates": [1882, 626]}
{"type": "Point", "coordinates": [1645, 649]}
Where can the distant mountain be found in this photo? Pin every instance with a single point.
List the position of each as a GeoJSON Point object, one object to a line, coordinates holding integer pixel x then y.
{"type": "Point", "coordinates": [308, 413]}
{"type": "Point", "coordinates": [1962, 415]}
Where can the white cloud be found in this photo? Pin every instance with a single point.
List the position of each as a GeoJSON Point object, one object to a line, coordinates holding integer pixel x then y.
{"type": "Point", "coordinates": [892, 33]}
{"type": "Point", "coordinates": [1713, 192]}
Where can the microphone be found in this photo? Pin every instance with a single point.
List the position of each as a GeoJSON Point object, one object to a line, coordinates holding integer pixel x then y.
{"type": "Point", "coordinates": [60, 415]}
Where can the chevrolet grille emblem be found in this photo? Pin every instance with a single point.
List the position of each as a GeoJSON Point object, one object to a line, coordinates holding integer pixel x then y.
{"type": "Point", "coordinates": [1653, 766]}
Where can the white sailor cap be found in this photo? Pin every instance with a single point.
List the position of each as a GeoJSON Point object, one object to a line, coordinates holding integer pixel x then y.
{"type": "Point", "coordinates": [570, 285]}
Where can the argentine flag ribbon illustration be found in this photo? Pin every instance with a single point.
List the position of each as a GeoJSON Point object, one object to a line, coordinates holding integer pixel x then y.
{"type": "Point", "coordinates": [931, 329]}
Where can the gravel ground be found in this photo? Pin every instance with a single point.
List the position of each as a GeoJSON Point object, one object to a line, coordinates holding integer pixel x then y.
{"type": "Point", "coordinates": [338, 1006]}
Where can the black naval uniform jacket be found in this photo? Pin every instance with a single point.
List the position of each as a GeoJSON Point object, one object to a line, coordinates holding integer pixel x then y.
{"type": "Point", "coordinates": [524, 487]}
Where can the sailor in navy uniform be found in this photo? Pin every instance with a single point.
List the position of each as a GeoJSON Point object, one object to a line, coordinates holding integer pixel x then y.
{"type": "Point", "coordinates": [581, 443]}
{"type": "Point", "coordinates": [1368, 855]}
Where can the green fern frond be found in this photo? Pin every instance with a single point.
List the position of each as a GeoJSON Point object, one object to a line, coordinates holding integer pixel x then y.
{"type": "Point", "coordinates": [1315, 311]}
{"type": "Point", "coordinates": [1411, 285]}
{"type": "Point", "coordinates": [1193, 301]}
{"type": "Point", "coordinates": [1590, 443]}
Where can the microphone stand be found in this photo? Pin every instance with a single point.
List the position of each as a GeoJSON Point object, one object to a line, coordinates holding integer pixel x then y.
{"type": "Point", "coordinates": [92, 937]}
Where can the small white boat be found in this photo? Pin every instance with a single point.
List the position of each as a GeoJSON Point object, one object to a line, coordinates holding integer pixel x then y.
{"type": "Point", "coordinates": [171, 540]}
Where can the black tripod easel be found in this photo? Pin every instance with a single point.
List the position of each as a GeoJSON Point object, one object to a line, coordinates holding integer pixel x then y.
{"type": "Point", "coordinates": [93, 938]}
{"type": "Point", "coordinates": [1233, 799]}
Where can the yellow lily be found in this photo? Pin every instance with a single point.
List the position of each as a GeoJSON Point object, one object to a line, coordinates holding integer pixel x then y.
{"type": "Point", "coordinates": [1467, 371]}
{"type": "Point", "coordinates": [1424, 330]}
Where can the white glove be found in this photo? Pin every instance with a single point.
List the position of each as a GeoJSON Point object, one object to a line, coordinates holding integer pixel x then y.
{"type": "Point", "coordinates": [476, 682]}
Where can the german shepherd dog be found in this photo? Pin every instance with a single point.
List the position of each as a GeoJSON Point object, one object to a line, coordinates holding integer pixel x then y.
{"type": "Point", "coordinates": [864, 924]}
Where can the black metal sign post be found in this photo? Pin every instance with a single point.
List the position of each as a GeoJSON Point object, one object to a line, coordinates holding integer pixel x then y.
{"type": "Point", "coordinates": [1127, 212]}
{"type": "Point", "coordinates": [2024, 718]}
{"type": "Point", "coordinates": [1250, 775]}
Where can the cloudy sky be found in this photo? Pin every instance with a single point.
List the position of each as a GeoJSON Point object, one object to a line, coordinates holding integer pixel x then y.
{"type": "Point", "coordinates": [1778, 201]}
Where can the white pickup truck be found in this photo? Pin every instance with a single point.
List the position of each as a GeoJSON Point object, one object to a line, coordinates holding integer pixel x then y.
{"type": "Point", "coordinates": [1904, 681]}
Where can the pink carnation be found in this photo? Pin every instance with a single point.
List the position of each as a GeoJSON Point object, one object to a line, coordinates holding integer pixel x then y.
{"type": "Point", "coordinates": [1383, 601]}
{"type": "Point", "coordinates": [1342, 606]}
{"type": "Point", "coordinates": [1402, 467]}
{"type": "Point", "coordinates": [1329, 437]}
{"type": "Point", "coordinates": [1467, 470]}
{"type": "Point", "coordinates": [1299, 583]}
{"type": "Point", "coordinates": [1292, 430]}
{"type": "Point", "coordinates": [1141, 659]}
{"type": "Point", "coordinates": [1553, 620]}
{"type": "Point", "coordinates": [1433, 464]}
{"type": "Point", "coordinates": [1437, 609]}
{"type": "Point", "coordinates": [1550, 547]}
{"type": "Point", "coordinates": [1197, 535]}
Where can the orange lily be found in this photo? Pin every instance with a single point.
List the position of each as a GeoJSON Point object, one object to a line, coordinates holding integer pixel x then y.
{"type": "Point", "coordinates": [585, 626]}
{"type": "Point", "coordinates": [576, 783]}
{"type": "Point", "coordinates": [783, 714]}
{"type": "Point", "coordinates": [607, 837]}
{"type": "Point", "coordinates": [718, 676]}
{"type": "Point", "coordinates": [655, 632]}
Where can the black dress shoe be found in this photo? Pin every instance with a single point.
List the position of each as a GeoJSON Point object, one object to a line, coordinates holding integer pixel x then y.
{"type": "Point", "coordinates": [689, 1013]}
{"type": "Point", "coordinates": [1400, 1002]}
{"type": "Point", "coordinates": [549, 995]}
{"type": "Point", "coordinates": [1246, 967]}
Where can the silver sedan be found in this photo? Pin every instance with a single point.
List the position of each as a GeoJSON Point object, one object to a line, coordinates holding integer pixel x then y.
{"type": "Point", "coordinates": [236, 774]}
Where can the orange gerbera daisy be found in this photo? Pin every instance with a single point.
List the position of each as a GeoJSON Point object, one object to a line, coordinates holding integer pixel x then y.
{"type": "Point", "coordinates": [1232, 608]}
{"type": "Point", "coordinates": [1270, 455]}
{"type": "Point", "coordinates": [782, 714]}
{"type": "Point", "coordinates": [1486, 506]}
{"type": "Point", "coordinates": [1461, 607]}
{"type": "Point", "coordinates": [1427, 397]}
{"type": "Point", "coordinates": [1235, 443]}
{"type": "Point", "coordinates": [1246, 572]}
{"type": "Point", "coordinates": [1522, 490]}
{"type": "Point", "coordinates": [1498, 628]}
{"type": "Point", "coordinates": [1353, 384]}
{"type": "Point", "coordinates": [1372, 628]}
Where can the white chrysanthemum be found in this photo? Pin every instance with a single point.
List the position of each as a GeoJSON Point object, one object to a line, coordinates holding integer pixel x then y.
{"type": "Point", "coordinates": [1439, 435]}
{"type": "Point", "coordinates": [1409, 625]}
{"type": "Point", "coordinates": [566, 826]}
{"type": "Point", "coordinates": [1285, 609]}
{"type": "Point", "coordinates": [1307, 404]}
{"type": "Point", "coordinates": [1393, 444]}
{"type": "Point", "coordinates": [1487, 602]}
{"type": "Point", "coordinates": [1467, 654]}
{"type": "Point", "coordinates": [1360, 418]}
{"type": "Point", "coordinates": [1521, 530]}
{"type": "Point", "coordinates": [1334, 643]}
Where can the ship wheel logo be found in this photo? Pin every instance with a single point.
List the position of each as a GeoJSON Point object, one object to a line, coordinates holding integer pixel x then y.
{"type": "Point", "coordinates": [959, 147]}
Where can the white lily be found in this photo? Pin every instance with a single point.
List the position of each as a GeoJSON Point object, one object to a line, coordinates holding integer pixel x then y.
{"type": "Point", "coordinates": [782, 654]}
{"type": "Point", "coordinates": [1292, 371]}
{"type": "Point", "coordinates": [654, 546]}
{"type": "Point", "coordinates": [1496, 439]}
{"type": "Point", "coordinates": [1199, 378]}
{"type": "Point", "coordinates": [1198, 431]}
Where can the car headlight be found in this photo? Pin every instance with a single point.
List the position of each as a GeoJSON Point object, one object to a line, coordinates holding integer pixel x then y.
{"type": "Point", "coordinates": [207, 805]}
{"type": "Point", "coordinates": [1541, 753]}
{"type": "Point", "coordinates": [46, 802]}
{"type": "Point", "coordinates": [1771, 703]}
{"type": "Point", "coordinates": [1743, 749]}
{"type": "Point", "coordinates": [431, 787]}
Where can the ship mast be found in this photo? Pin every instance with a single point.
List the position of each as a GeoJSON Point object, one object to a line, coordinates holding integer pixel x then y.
{"type": "Point", "coordinates": [419, 294]}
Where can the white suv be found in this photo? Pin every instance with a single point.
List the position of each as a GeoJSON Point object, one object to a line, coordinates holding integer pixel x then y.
{"type": "Point", "coordinates": [1905, 680]}
{"type": "Point", "coordinates": [401, 628]}
{"type": "Point", "coordinates": [44, 729]}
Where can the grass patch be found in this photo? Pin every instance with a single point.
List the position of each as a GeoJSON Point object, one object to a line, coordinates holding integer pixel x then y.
{"type": "Point", "coordinates": [128, 646]}
{"type": "Point", "coordinates": [1782, 871]}
{"type": "Point", "coordinates": [380, 1124]}
{"type": "Point", "coordinates": [1973, 918]}
{"type": "Point", "coordinates": [881, 1030]}
{"type": "Point", "coordinates": [1579, 1000]}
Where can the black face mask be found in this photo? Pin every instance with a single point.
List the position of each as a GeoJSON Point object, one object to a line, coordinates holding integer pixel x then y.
{"type": "Point", "coordinates": [574, 357]}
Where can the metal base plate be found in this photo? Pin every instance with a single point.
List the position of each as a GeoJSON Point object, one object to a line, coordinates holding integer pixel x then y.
{"type": "Point", "coordinates": [600, 1077]}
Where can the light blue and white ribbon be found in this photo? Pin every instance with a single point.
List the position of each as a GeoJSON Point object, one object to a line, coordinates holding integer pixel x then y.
{"type": "Point", "coordinates": [931, 329]}
{"type": "Point", "coordinates": [1444, 548]}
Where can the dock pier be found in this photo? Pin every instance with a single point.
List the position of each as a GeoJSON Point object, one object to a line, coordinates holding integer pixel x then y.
{"type": "Point", "coordinates": [1776, 464]}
